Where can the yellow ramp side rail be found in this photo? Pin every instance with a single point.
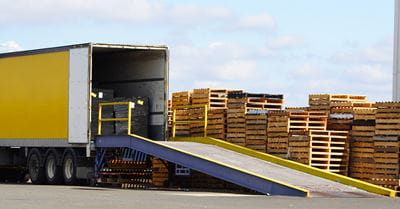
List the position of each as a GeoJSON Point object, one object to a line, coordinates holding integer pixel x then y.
{"type": "Point", "coordinates": [128, 118]}
{"type": "Point", "coordinates": [293, 165]}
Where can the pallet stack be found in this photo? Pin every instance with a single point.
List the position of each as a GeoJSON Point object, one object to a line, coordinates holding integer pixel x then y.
{"type": "Point", "coordinates": [256, 132]}
{"type": "Point", "coordinates": [327, 150]}
{"type": "Point", "coordinates": [254, 102]}
{"type": "Point", "coordinates": [160, 172]}
{"type": "Point", "coordinates": [304, 120]}
{"type": "Point", "coordinates": [216, 123]}
{"type": "Point", "coordinates": [386, 144]}
{"type": "Point", "coordinates": [278, 133]}
{"type": "Point", "coordinates": [213, 98]}
{"type": "Point", "coordinates": [236, 121]}
{"type": "Point", "coordinates": [180, 99]}
{"type": "Point", "coordinates": [299, 147]}
{"type": "Point", "coordinates": [362, 144]}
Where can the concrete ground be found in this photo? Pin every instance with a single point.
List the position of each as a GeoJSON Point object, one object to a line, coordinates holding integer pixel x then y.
{"type": "Point", "coordinates": [21, 196]}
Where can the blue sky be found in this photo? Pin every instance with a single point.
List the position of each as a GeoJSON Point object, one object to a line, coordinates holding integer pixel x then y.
{"type": "Point", "coordinates": [289, 47]}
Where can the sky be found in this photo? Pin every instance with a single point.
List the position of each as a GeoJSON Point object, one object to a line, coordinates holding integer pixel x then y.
{"type": "Point", "coordinates": [295, 48]}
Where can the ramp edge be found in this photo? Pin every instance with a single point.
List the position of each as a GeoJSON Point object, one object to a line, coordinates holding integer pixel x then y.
{"type": "Point", "coordinates": [293, 165]}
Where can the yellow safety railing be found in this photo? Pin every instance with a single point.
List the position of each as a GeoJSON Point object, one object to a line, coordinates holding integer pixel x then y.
{"type": "Point", "coordinates": [101, 119]}
{"type": "Point", "coordinates": [187, 107]}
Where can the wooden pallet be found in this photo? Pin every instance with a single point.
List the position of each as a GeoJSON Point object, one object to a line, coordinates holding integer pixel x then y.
{"type": "Point", "coordinates": [256, 132]}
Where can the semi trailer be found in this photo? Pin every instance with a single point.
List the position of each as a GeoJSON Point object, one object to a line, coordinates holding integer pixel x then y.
{"type": "Point", "coordinates": [49, 100]}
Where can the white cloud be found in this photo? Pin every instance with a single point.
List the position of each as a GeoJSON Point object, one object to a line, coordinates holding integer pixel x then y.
{"type": "Point", "coordinates": [10, 46]}
{"type": "Point", "coordinates": [261, 21]}
{"type": "Point", "coordinates": [284, 42]}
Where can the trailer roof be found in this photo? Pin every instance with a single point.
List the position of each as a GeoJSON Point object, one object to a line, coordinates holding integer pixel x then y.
{"type": "Point", "coordinates": [93, 45]}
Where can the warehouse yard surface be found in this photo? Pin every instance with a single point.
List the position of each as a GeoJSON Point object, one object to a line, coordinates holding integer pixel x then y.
{"type": "Point", "coordinates": [67, 197]}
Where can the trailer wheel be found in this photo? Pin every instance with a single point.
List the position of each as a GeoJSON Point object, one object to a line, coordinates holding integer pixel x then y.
{"type": "Point", "coordinates": [52, 169]}
{"type": "Point", "coordinates": [36, 171]}
{"type": "Point", "coordinates": [69, 168]}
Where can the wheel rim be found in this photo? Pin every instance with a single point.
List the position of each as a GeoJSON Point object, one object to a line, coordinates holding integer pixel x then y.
{"type": "Point", "coordinates": [51, 168]}
{"type": "Point", "coordinates": [33, 167]}
{"type": "Point", "coordinates": [69, 168]}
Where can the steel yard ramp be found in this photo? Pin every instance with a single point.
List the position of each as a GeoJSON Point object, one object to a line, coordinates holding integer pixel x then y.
{"type": "Point", "coordinates": [250, 169]}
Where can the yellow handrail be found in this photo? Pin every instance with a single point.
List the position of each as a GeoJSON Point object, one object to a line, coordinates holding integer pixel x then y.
{"type": "Point", "coordinates": [101, 119]}
{"type": "Point", "coordinates": [174, 122]}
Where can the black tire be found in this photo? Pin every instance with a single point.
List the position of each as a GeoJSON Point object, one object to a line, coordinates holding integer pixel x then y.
{"type": "Point", "coordinates": [69, 168]}
{"type": "Point", "coordinates": [35, 169]}
{"type": "Point", "coordinates": [52, 169]}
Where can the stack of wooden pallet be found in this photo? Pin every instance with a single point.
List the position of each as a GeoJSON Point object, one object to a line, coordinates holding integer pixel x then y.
{"type": "Point", "coordinates": [299, 147]}
{"type": "Point", "coordinates": [214, 98]}
{"type": "Point", "coordinates": [342, 108]}
{"type": "Point", "coordinates": [362, 144]}
{"type": "Point", "coordinates": [179, 100]}
{"type": "Point", "coordinates": [160, 172]}
{"type": "Point", "coordinates": [216, 123]}
{"type": "Point", "coordinates": [236, 121]}
{"type": "Point", "coordinates": [256, 132]}
{"type": "Point", "coordinates": [255, 101]}
{"type": "Point", "coordinates": [278, 133]}
{"type": "Point", "coordinates": [386, 144]}
{"type": "Point", "coordinates": [326, 150]}
{"type": "Point", "coordinates": [304, 120]}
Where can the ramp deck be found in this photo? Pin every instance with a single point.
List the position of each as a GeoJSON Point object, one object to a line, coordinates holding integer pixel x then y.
{"type": "Point", "coordinates": [250, 172]}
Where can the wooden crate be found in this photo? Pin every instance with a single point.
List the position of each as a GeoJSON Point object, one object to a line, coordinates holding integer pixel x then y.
{"type": "Point", "coordinates": [256, 132]}
{"type": "Point", "coordinates": [278, 133]}
{"type": "Point", "coordinates": [160, 172]}
{"type": "Point", "coordinates": [214, 98]}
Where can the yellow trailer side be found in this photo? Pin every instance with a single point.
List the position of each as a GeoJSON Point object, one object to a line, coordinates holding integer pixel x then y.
{"type": "Point", "coordinates": [34, 96]}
